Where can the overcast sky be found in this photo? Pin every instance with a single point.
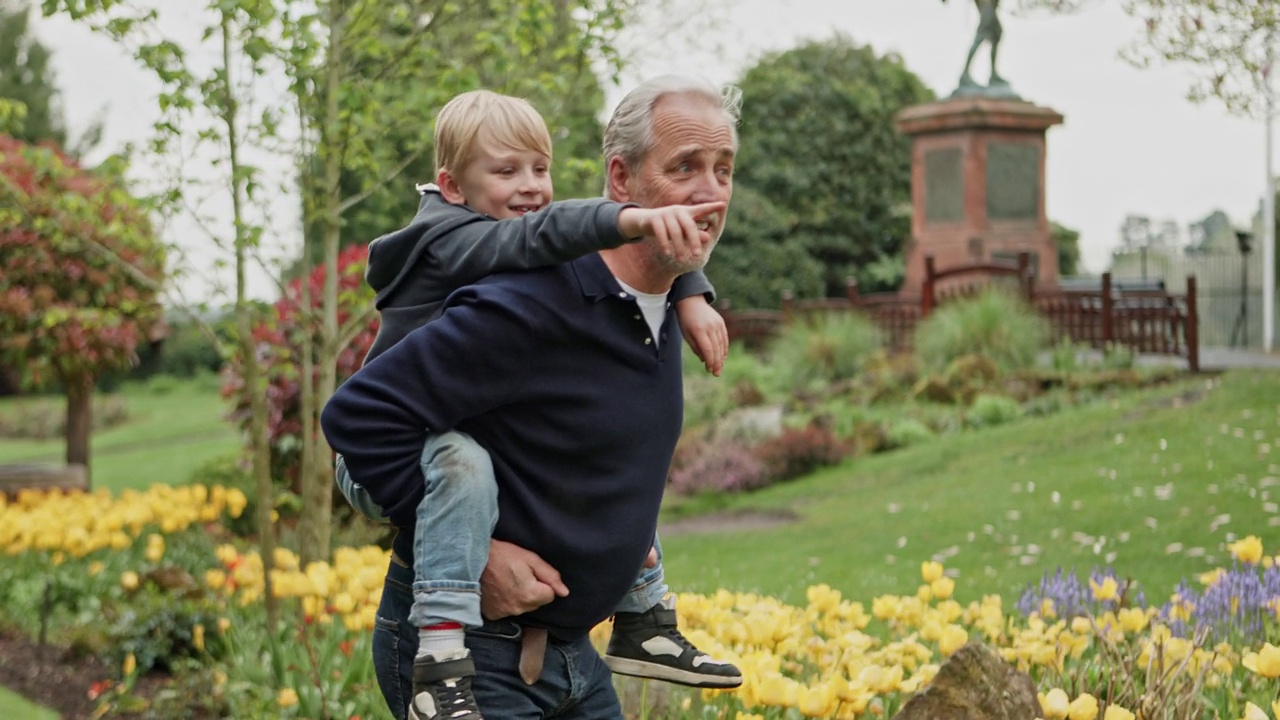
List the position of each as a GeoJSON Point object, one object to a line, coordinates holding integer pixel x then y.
{"type": "Point", "coordinates": [1131, 143]}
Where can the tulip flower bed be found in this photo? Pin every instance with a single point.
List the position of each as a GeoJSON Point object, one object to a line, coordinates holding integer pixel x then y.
{"type": "Point", "coordinates": [148, 579]}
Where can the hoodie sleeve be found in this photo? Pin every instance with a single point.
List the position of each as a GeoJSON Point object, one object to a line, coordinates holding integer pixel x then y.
{"type": "Point", "coordinates": [560, 232]}
{"type": "Point", "coordinates": [690, 284]}
{"type": "Point", "coordinates": [465, 363]}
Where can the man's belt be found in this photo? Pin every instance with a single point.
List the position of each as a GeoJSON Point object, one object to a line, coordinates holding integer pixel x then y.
{"type": "Point", "coordinates": [533, 647]}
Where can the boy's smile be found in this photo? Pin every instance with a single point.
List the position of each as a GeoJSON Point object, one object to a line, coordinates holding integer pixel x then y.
{"type": "Point", "coordinates": [504, 182]}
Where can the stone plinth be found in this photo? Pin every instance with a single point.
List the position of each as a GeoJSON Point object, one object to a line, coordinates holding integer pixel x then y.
{"type": "Point", "coordinates": [977, 185]}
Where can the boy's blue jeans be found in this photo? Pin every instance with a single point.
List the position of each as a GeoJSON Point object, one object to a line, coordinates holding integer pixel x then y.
{"type": "Point", "coordinates": [453, 526]}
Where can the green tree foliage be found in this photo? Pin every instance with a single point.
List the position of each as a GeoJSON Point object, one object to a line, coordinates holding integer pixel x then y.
{"type": "Point", "coordinates": [79, 278]}
{"type": "Point", "coordinates": [818, 141]}
{"type": "Point", "coordinates": [25, 77]}
{"type": "Point", "coordinates": [1224, 42]}
{"type": "Point", "coordinates": [755, 260]}
{"type": "Point", "coordinates": [549, 70]}
{"type": "Point", "coordinates": [1068, 243]}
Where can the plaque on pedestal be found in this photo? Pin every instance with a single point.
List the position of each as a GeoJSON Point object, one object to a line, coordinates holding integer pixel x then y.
{"type": "Point", "coordinates": [977, 185]}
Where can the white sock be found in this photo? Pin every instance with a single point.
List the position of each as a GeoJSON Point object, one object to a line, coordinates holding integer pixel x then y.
{"type": "Point", "coordinates": [437, 641]}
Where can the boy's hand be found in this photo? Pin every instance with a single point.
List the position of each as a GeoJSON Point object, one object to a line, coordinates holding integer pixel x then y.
{"type": "Point", "coordinates": [681, 230]}
{"type": "Point", "coordinates": [705, 332]}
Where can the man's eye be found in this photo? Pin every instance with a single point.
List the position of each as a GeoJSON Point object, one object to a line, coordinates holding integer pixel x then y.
{"type": "Point", "coordinates": [684, 168]}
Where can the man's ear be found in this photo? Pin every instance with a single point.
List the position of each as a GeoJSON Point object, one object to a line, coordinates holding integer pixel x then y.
{"type": "Point", "coordinates": [618, 177]}
{"type": "Point", "coordinates": [449, 188]}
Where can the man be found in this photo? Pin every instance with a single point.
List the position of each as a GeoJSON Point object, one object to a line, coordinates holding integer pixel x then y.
{"type": "Point", "coordinates": [570, 378]}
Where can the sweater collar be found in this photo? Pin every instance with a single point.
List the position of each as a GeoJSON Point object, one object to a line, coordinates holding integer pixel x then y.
{"type": "Point", "coordinates": [594, 279]}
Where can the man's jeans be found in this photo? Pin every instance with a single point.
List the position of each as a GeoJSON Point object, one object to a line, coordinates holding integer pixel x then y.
{"type": "Point", "coordinates": [575, 683]}
{"type": "Point", "coordinates": [453, 526]}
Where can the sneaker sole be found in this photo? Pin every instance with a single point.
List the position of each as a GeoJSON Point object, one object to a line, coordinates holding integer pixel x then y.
{"type": "Point", "coordinates": [654, 671]}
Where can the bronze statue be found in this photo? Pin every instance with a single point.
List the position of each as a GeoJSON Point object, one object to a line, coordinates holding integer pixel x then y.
{"type": "Point", "coordinates": [989, 31]}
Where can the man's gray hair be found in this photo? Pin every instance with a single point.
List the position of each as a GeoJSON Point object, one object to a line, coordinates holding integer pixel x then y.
{"type": "Point", "coordinates": [629, 134]}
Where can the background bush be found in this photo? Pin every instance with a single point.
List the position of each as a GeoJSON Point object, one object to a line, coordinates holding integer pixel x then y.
{"type": "Point", "coordinates": [995, 324]}
{"type": "Point", "coordinates": [824, 348]}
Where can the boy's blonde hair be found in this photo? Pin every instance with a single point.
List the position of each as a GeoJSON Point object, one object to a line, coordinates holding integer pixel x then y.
{"type": "Point", "coordinates": [484, 116]}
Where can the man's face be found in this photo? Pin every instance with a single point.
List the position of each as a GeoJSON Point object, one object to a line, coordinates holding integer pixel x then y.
{"type": "Point", "coordinates": [690, 162]}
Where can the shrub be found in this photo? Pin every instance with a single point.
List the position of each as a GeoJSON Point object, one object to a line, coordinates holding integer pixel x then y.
{"type": "Point", "coordinates": [906, 432]}
{"type": "Point", "coordinates": [800, 451]}
{"type": "Point", "coordinates": [826, 348]}
{"type": "Point", "coordinates": [723, 466]}
{"type": "Point", "coordinates": [993, 410]}
{"type": "Point", "coordinates": [996, 324]}
{"type": "Point", "coordinates": [46, 419]}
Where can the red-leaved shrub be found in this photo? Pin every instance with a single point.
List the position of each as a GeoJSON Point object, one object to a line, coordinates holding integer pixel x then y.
{"type": "Point", "coordinates": [800, 451]}
{"type": "Point", "coordinates": [279, 343]}
{"type": "Point", "coordinates": [725, 466]}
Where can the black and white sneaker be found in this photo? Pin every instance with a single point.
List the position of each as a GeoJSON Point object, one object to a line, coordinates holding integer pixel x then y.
{"type": "Point", "coordinates": [649, 645]}
{"type": "Point", "coordinates": [442, 687]}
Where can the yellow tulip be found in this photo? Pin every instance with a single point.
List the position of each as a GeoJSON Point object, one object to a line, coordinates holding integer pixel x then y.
{"type": "Point", "coordinates": [1055, 704]}
{"type": "Point", "coordinates": [1115, 712]}
{"type": "Point", "coordinates": [1265, 662]}
{"type": "Point", "coordinates": [1247, 550]}
{"type": "Point", "coordinates": [930, 571]}
{"type": "Point", "coordinates": [129, 580]}
{"type": "Point", "coordinates": [1253, 712]}
{"type": "Point", "coordinates": [1104, 591]}
{"type": "Point", "coordinates": [953, 638]}
{"type": "Point", "coordinates": [1084, 707]}
{"type": "Point", "coordinates": [197, 637]}
{"type": "Point", "coordinates": [130, 665]}
{"type": "Point", "coordinates": [287, 698]}
{"type": "Point", "coordinates": [943, 587]}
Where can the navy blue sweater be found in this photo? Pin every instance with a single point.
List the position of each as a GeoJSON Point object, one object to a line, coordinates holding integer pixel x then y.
{"type": "Point", "coordinates": [554, 372]}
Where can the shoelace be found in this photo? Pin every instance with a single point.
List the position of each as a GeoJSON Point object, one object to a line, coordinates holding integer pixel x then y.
{"type": "Point", "coordinates": [456, 701]}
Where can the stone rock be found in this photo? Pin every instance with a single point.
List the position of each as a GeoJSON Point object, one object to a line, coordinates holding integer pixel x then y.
{"type": "Point", "coordinates": [975, 684]}
{"type": "Point", "coordinates": [749, 424]}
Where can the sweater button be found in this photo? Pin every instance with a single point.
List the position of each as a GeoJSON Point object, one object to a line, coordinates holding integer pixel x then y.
{"type": "Point", "coordinates": [637, 317]}
{"type": "Point", "coordinates": [622, 295]}
{"type": "Point", "coordinates": [648, 341]}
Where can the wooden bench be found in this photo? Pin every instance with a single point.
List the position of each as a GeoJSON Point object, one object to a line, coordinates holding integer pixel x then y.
{"type": "Point", "coordinates": [30, 476]}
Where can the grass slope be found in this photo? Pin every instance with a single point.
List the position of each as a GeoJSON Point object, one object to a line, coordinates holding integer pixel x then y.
{"type": "Point", "coordinates": [1153, 484]}
{"type": "Point", "coordinates": [168, 435]}
{"type": "Point", "coordinates": [16, 707]}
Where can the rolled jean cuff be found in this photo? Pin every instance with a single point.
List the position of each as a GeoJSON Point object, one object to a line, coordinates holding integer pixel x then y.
{"type": "Point", "coordinates": [649, 589]}
{"type": "Point", "coordinates": [446, 601]}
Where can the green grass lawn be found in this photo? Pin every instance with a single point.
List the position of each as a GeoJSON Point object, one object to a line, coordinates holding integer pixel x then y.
{"type": "Point", "coordinates": [169, 434]}
{"type": "Point", "coordinates": [16, 707]}
{"type": "Point", "coordinates": [1152, 484]}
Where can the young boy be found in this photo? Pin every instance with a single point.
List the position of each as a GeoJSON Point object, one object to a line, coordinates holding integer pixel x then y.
{"type": "Point", "coordinates": [491, 211]}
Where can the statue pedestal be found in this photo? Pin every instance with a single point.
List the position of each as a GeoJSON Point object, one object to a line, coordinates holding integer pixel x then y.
{"type": "Point", "coordinates": [977, 185]}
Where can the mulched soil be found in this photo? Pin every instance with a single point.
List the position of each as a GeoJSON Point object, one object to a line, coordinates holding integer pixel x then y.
{"type": "Point", "coordinates": [51, 677]}
{"type": "Point", "coordinates": [47, 676]}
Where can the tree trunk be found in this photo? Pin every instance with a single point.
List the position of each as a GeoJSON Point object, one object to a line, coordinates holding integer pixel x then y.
{"type": "Point", "coordinates": [260, 449]}
{"type": "Point", "coordinates": [79, 390]}
{"type": "Point", "coordinates": [315, 520]}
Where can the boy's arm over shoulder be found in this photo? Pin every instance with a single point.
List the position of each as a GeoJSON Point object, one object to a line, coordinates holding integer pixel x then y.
{"type": "Point", "coordinates": [464, 364]}
{"type": "Point", "coordinates": [560, 232]}
{"type": "Point", "coordinates": [690, 284]}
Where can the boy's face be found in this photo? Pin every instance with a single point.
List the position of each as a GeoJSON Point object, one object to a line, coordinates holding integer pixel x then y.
{"type": "Point", "coordinates": [502, 182]}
